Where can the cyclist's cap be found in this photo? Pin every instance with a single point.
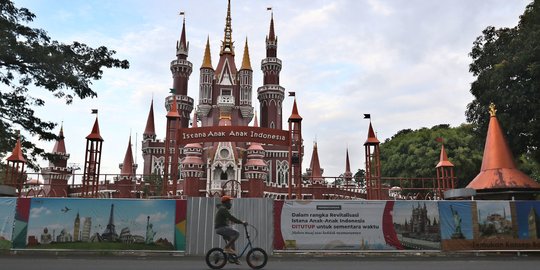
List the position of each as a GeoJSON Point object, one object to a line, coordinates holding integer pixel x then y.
{"type": "Point", "coordinates": [225, 199]}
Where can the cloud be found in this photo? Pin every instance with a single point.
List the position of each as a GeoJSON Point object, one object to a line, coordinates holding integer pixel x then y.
{"type": "Point", "coordinates": [37, 212]}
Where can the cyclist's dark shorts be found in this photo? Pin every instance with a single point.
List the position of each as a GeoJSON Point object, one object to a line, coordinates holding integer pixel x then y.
{"type": "Point", "coordinates": [227, 232]}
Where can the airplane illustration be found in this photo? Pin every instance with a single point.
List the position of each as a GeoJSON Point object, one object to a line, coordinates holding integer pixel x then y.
{"type": "Point", "coordinates": [66, 209]}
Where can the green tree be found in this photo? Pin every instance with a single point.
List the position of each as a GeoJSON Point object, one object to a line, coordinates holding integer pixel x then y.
{"type": "Point", "coordinates": [415, 153]}
{"type": "Point", "coordinates": [30, 60]}
{"type": "Point", "coordinates": [506, 64]}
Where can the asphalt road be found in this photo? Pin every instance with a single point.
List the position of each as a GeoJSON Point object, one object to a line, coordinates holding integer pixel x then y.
{"type": "Point", "coordinates": [296, 262]}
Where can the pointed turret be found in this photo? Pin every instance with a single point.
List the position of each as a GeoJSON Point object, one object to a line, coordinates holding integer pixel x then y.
{"type": "Point", "coordinates": [372, 139]}
{"type": "Point", "coordinates": [182, 46]}
{"type": "Point", "coordinates": [60, 146]}
{"type": "Point", "coordinates": [16, 154]}
{"type": "Point", "coordinates": [294, 114]}
{"type": "Point", "coordinates": [315, 167]}
{"type": "Point", "coordinates": [271, 35]}
{"type": "Point", "coordinates": [95, 135]}
{"type": "Point", "coordinates": [207, 59]}
{"type": "Point", "coordinates": [227, 46]}
{"type": "Point", "coordinates": [128, 166]}
{"type": "Point", "coordinates": [347, 174]}
{"type": "Point", "coordinates": [150, 130]}
{"type": "Point", "coordinates": [246, 62]}
{"type": "Point", "coordinates": [443, 161]}
{"type": "Point", "coordinates": [173, 112]}
{"type": "Point", "coordinates": [498, 170]}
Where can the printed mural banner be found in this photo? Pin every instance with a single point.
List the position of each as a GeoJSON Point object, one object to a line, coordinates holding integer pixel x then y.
{"type": "Point", "coordinates": [456, 225]}
{"type": "Point", "coordinates": [327, 225]}
{"type": "Point", "coordinates": [7, 216]}
{"type": "Point", "coordinates": [490, 225]}
{"type": "Point", "coordinates": [417, 224]}
{"type": "Point", "coordinates": [101, 224]}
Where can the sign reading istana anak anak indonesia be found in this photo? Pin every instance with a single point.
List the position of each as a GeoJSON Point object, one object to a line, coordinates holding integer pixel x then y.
{"type": "Point", "coordinates": [233, 134]}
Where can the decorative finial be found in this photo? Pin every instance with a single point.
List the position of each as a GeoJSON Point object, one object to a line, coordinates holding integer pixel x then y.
{"type": "Point", "coordinates": [492, 109]}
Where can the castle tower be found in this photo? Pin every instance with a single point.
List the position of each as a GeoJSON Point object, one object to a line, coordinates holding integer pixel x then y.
{"type": "Point", "coordinates": [150, 147]}
{"type": "Point", "coordinates": [57, 174]}
{"type": "Point", "coordinates": [172, 152]}
{"type": "Point", "coordinates": [373, 166]}
{"type": "Point", "coordinates": [256, 168]}
{"type": "Point", "coordinates": [230, 90]}
{"type": "Point", "coordinates": [15, 168]}
{"type": "Point", "coordinates": [206, 83]}
{"type": "Point", "coordinates": [245, 80]}
{"type": "Point", "coordinates": [181, 70]}
{"type": "Point", "coordinates": [271, 94]}
{"type": "Point", "coordinates": [125, 182]}
{"type": "Point", "coordinates": [193, 167]}
{"type": "Point", "coordinates": [92, 161]}
{"type": "Point", "coordinates": [498, 172]}
{"type": "Point", "coordinates": [445, 173]}
{"type": "Point", "coordinates": [295, 152]}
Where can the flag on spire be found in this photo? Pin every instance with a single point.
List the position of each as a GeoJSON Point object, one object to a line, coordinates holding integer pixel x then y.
{"type": "Point", "coordinates": [367, 116]}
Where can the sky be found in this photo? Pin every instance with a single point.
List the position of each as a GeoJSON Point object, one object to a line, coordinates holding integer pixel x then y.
{"type": "Point", "coordinates": [403, 62]}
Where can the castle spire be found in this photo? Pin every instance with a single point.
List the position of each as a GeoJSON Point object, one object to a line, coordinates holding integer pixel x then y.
{"type": "Point", "coordinates": [372, 139]}
{"type": "Point", "coordinates": [246, 62]}
{"type": "Point", "coordinates": [182, 46]}
{"type": "Point", "coordinates": [347, 163]}
{"type": "Point", "coordinates": [294, 114]}
{"type": "Point", "coordinates": [207, 60]}
{"type": "Point", "coordinates": [16, 154]}
{"type": "Point", "coordinates": [150, 130]}
{"type": "Point", "coordinates": [272, 34]}
{"type": "Point", "coordinates": [316, 173]}
{"type": "Point", "coordinates": [127, 166]}
{"type": "Point", "coordinates": [95, 132]}
{"type": "Point", "coordinates": [443, 160]}
{"type": "Point", "coordinates": [227, 43]}
{"type": "Point", "coordinates": [59, 145]}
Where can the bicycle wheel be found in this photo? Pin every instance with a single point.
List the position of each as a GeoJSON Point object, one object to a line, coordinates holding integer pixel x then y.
{"type": "Point", "coordinates": [256, 258]}
{"type": "Point", "coordinates": [216, 258]}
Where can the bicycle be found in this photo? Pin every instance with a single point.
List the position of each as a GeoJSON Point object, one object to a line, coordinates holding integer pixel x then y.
{"type": "Point", "coordinates": [256, 257]}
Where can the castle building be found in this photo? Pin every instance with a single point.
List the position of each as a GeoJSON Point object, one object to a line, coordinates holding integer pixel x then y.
{"type": "Point", "coordinates": [242, 169]}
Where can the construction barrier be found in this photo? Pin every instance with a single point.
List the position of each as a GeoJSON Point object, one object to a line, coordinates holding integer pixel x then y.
{"type": "Point", "coordinates": [338, 225]}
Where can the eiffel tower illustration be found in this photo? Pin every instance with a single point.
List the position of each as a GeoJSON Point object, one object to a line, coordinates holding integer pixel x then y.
{"type": "Point", "coordinates": [110, 232]}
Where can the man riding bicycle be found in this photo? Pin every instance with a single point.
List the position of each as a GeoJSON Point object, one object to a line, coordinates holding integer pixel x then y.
{"type": "Point", "coordinates": [222, 222]}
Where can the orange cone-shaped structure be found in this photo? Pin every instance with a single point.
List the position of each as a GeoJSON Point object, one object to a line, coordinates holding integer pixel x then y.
{"type": "Point", "coordinates": [498, 173]}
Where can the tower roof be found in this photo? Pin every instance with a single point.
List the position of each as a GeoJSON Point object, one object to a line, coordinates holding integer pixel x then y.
{"type": "Point", "coordinates": [294, 114]}
{"type": "Point", "coordinates": [173, 112]}
{"type": "Point", "coordinates": [315, 166]}
{"type": "Point", "coordinates": [182, 45]}
{"type": "Point", "coordinates": [498, 170]}
{"type": "Point", "coordinates": [272, 34]}
{"type": "Point", "coordinates": [246, 63]}
{"type": "Point", "coordinates": [127, 167]}
{"type": "Point", "coordinates": [227, 46]}
{"type": "Point", "coordinates": [347, 163]}
{"type": "Point", "coordinates": [94, 135]}
{"type": "Point", "coordinates": [59, 145]}
{"type": "Point", "coordinates": [443, 160]}
{"type": "Point", "coordinates": [150, 127]}
{"type": "Point", "coordinates": [16, 154]}
{"type": "Point", "coordinates": [207, 60]}
{"type": "Point", "coordinates": [372, 139]}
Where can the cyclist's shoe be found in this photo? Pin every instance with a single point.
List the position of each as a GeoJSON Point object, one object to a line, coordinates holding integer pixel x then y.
{"type": "Point", "coordinates": [229, 251]}
{"type": "Point", "coordinates": [237, 262]}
